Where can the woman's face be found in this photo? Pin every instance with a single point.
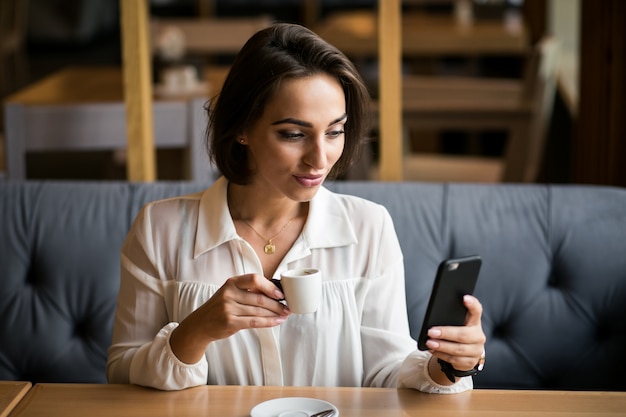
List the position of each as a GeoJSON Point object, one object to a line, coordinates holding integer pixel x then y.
{"type": "Point", "coordinates": [299, 137]}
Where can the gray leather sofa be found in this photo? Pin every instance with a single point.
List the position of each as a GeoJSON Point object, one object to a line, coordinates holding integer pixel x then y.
{"type": "Point", "coordinates": [553, 281]}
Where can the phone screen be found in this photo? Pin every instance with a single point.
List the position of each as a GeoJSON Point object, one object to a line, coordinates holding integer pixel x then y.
{"type": "Point", "coordinates": [454, 279]}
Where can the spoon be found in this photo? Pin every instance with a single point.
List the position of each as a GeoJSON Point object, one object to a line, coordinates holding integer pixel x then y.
{"type": "Point", "coordinates": [325, 413]}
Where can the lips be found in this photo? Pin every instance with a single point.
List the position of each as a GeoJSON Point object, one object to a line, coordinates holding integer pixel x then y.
{"type": "Point", "coordinates": [309, 180]}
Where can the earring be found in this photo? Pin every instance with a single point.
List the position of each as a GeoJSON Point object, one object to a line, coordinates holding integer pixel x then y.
{"type": "Point", "coordinates": [242, 141]}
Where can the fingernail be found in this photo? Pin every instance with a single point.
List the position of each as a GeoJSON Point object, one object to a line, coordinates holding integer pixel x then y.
{"type": "Point", "coordinates": [432, 344]}
{"type": "Point", "coordinates": [279, 295]}
{"type": "Point", "coordinates": [279, 320]}
{"type": "Point", "coordinates": [468, 299]}
{"type": "Point", "coordinates": [434, 332]}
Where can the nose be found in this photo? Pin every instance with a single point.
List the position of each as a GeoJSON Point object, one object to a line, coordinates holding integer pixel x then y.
{"type": "Point", "coordinates": [315, 155]}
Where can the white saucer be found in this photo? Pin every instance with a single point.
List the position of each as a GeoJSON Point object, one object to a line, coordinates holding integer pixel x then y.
{"type": "Point", "coordinates": [289, 406]}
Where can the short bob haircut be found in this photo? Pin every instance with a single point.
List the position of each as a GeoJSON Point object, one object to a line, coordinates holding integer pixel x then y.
{"type": "Point", "coordinates": [279, 52]}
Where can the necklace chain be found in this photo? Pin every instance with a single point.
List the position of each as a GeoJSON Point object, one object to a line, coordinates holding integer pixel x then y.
{"type": "Point", "coordinates": [269, 247]}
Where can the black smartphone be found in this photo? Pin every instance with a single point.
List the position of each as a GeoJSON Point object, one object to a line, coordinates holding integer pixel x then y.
{"type": "Point", "coordinates": [454, 279]}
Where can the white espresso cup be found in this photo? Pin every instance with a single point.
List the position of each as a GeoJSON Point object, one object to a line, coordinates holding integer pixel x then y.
{"type": "Point", "coordinates": [303, 289]}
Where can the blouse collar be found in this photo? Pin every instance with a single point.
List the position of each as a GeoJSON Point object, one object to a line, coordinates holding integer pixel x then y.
{"type": "Point", "coordinates": [328, 224]}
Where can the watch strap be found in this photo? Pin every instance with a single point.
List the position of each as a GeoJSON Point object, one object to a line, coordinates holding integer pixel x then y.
{"type": "Point", "coordinates": [451, 373]}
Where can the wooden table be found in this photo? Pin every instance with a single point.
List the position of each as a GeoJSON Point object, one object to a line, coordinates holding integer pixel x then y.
{"type": "Point", "coordinates": [82, 108]}
{"type": "Point", "coordinates": [95, 400]}
{"type": "Point", "coordinates": [356, 34]}
{"type": "Point", "coordinates": [11, 392]}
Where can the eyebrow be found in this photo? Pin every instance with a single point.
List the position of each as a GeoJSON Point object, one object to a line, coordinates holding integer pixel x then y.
{"type": "Point", "coordinates": [302, 123]}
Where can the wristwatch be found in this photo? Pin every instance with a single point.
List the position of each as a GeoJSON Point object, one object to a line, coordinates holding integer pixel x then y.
{"type": "Point", "coordinates": [452, 373]}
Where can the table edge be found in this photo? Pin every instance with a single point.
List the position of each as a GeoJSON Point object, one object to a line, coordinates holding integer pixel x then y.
{"type": "Point", "coordinates": [25, 388]}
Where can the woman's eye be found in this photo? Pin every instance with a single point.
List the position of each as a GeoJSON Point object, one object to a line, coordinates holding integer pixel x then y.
{"type": "Point", "coordinates": [335, 133]}
{"type": "Point", "coordinates": [290, 135]}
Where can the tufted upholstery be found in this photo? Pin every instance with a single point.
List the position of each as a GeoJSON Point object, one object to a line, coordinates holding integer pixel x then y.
{"type": "Point", "coordinates": [553, 281]}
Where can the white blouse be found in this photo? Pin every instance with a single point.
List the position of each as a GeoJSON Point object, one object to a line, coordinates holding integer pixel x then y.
{"type": "Point", "coordinates": [181, 250]}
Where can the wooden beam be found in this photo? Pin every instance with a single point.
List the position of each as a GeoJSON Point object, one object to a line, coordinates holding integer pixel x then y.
{"type": "Point", "coordinates": [141, 165]}
{"type": "Point", "coordinates": [599, 145]}
{"type": "Point", "coordinates": [390, 89]}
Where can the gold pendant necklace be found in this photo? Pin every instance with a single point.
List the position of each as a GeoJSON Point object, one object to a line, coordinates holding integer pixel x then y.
{"type": "Point", "coordinates": [269, 247]}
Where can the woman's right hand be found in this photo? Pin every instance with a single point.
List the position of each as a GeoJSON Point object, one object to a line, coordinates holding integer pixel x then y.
{"type": "Point", "coordinates": [243, 302]}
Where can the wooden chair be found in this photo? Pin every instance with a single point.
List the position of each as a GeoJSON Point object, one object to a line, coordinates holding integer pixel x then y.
{"type": "Point", "coordinates": [522, 107]}
{"type": "Point", "coordinates": [82, 109]}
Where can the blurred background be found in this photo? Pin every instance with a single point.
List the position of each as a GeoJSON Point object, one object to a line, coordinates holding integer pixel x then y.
{"type": "Point", "coordinates": [488, 48]}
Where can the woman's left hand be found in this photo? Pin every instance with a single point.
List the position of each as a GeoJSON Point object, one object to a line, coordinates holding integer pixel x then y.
{"type": "Point", "coordinates": [461, 346]}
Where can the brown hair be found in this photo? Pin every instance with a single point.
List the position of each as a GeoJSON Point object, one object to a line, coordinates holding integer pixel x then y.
{"type": "Point", "coordinates": [270, 56]}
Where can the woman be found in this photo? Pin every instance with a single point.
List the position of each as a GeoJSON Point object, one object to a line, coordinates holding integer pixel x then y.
{"type": "Point", "coordinates": [195, 303]}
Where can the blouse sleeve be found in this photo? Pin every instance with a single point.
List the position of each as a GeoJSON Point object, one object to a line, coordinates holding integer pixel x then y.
{"type": "Point", "coordinates": [140, 352]}
{"type": "Point", "coordinates": [390, 355]}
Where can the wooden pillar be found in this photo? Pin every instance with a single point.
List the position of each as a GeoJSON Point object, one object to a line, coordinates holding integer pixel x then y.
{"type": "Point", "coordinates": [141, 165]}
{"type": "Point", "coordinates": [311, 10]}
{"type": "Point", "coordinates": [535, 17]}
{"type": "Point", "coordinates": [206, 8]}
{"type": "Point", "coordinates": [390, 85]}
{"type": "Point", "coordinates": [600, 135]}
